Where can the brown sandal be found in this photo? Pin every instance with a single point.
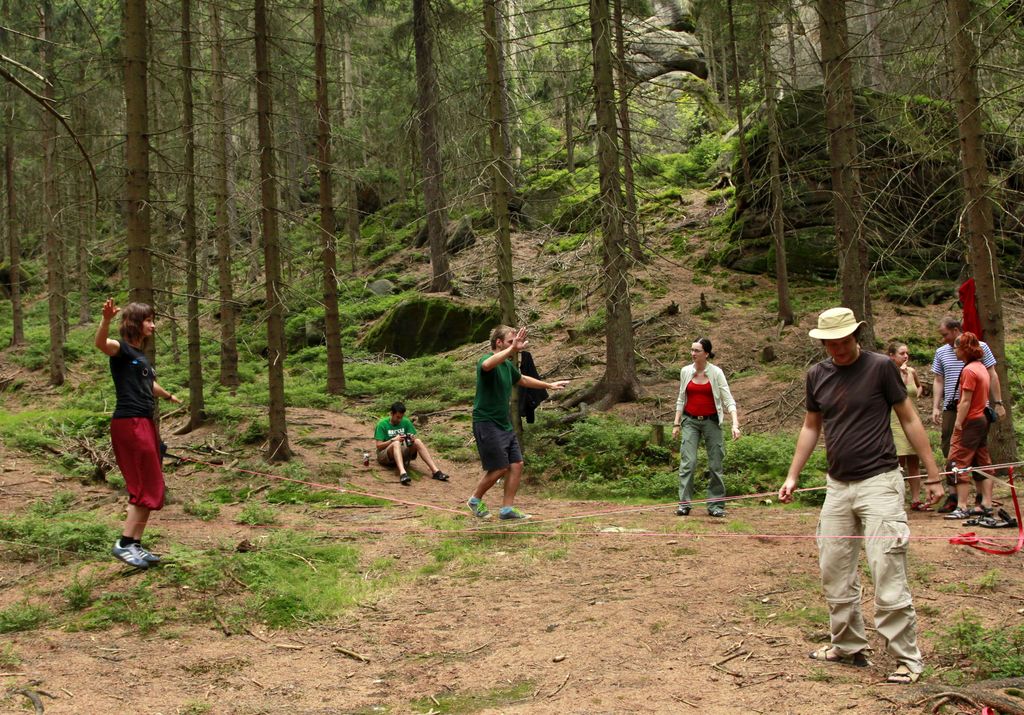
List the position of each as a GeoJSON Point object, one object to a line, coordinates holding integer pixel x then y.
{"type": "Point", "coordinates": [828, 654]}
{"type": "Point", "coordinates": [903, 676]}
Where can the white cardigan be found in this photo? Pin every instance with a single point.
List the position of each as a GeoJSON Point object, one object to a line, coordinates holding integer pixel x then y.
{"type": "Point", "coordinates": [724, 401]}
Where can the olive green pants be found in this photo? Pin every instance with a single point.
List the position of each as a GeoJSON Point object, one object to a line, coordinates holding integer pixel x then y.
{"type": "Point", "coordinates": [693, 431]}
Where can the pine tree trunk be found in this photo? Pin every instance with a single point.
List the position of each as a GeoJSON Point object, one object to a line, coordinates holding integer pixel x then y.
{"type": "Point", "coordinates": [500, 168]}
{"type": "Point", "coordinates": [977, 217]}
{"type": "Point", "coordinates": [223, 222]}
{"type": "Point", "coordinates": [86, 210]}
{"type": "Point", "coordinates": [196, 405]}
{"type": "Point", "coordinates": [785, 311]}
{"type": "Point", "coordinates": [501, 172]}
{"type": "Point", "coordinates": [348, 110]}
{"type": "Point", "coordinates": [140, 262]}
{"type": "Point", "coordinates": [277, 439]}
{"type": "Point", "coordinates": [430, 148]}
{"type": "Point", "coordinates": [842, 147]}
{"type": "Point", "coordinates": [619, 381]}
{"type": "Point", "coordinates": [626, 137]}
{"type": "Point", "coordinates": [54, 272]}
{"type": "Point", "coordinates": [737, 98]}
{"type": "Point", "coordinates": [335, 359]}
{"type": "Point", "coordinates": [569, 123]}
{"type": "Point", "coordinates": [13, 240]}
{"type": "Point", "coordinates": [874, 62]}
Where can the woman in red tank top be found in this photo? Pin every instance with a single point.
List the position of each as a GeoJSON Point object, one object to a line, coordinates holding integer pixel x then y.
{"type": "Point", "coordinates": [704, 397]}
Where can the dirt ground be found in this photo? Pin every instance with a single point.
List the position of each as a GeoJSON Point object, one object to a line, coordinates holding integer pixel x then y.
{"type": "Point", "coordinates": [637, 611]}
{"type": "Point", "coordinates": [633, 610]}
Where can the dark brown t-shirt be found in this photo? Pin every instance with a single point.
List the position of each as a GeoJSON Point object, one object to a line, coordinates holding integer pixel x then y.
{"type": "Point", "coordinates": [855, 402]}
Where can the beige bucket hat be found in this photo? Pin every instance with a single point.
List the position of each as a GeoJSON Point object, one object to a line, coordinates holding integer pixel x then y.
{"type": "Point", "coordinates": [835, 323]}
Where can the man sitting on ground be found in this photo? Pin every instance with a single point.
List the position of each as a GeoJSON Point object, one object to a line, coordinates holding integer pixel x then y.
{"type": "Point", "coordinates": [397, 445]}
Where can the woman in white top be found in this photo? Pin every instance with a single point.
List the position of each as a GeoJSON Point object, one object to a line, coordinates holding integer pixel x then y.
{"type": "Point", "coordinates": [704, 397]}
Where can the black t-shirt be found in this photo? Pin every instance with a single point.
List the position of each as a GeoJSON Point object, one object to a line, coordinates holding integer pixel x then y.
{"type": "Point", "coordinates": [133, 382]}
{"type": "Point", "coordinates": [855, 402]}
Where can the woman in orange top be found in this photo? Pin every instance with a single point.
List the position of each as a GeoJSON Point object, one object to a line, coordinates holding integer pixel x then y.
{"type": "Point", "coordinates": [969, 444]}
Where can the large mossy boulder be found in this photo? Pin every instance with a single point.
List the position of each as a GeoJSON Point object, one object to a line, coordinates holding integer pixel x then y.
{"type": "Point", "coordinates": [428, 325]}
{"type": "Point", "coordinates": [909, 173]}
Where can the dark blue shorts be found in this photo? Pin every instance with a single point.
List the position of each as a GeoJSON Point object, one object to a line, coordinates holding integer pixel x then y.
{"type": "Point", "coordinates": [497, 448]}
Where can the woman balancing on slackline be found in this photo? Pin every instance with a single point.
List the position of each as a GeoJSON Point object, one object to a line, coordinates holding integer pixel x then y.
{"type": "Point", "coordinates": [132, 431]}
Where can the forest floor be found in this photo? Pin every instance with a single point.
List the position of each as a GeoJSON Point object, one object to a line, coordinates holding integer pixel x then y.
{"type": "Point", "coordinates": [588, 608]}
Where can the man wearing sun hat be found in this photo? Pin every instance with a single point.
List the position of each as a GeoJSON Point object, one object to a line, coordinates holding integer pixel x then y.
{"type": "Point", "coordinates": [849, 396]}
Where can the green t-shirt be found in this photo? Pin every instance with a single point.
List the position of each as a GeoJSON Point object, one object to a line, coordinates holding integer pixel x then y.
{"type": "Point", "coordinates": [493, 390]}
{"type": "Point", "coordinates": [385, 430]}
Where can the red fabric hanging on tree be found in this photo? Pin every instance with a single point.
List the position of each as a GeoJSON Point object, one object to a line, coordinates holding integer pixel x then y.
{"type": "Point", "coordinates": [971, 321]}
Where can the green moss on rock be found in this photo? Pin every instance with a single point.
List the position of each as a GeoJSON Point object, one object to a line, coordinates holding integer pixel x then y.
{"type": "Point", "coordinates": [427, 325]}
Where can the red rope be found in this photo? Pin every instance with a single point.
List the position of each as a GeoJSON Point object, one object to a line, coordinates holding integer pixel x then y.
{"type": "Point", "coordinates": [988, 545]}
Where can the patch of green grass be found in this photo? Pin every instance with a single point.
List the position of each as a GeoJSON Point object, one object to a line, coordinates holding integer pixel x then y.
{"type": "Point", "coordinates": [984, 653]}
{"type": "Point", "coordinates": [195, 707]}
{"type": "Point", "coordinates": [255, 514]}
{"type": "Point", "coordinates": [23, 616]}
{"type": "Point", "coordinates": [202, 510]}
{"type": "Point", "coordinates": [294, 493]}
{"type": "Point", "coordinates": [78, 594]}
{"type": "Point", "coordinates": [135, 607]}
{"type": "Point", "coordinates": [821, 675]}
{"type": "Point", "coordinates": [448, 703]}
{"type": "Point", "coordinates": [736, 526]}
{"type": "Point", "coordinates": [48, 532]}
{"type": "Point", "coordinates": [9, 659]}
{"type": "Point", "coordinates": [294, 578]}
{"type": "Point", "coordinates": [989, 581]}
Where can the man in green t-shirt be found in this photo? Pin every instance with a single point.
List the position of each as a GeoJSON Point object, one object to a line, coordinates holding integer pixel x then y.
{"type": "Point", "coordinates": [496, 441]}
{"type": "Point", "coordinates": [397, 444]}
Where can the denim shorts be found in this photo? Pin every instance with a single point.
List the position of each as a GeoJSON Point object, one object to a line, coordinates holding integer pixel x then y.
{"type": "Point", "coordinates": [498, 448]}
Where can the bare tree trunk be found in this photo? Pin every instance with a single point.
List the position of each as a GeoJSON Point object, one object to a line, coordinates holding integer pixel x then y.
{"type": "Point", "coordinates": [626, 137]}
{"type": "Point", "coordinates": [619, 382]}
{"type": "Point", "coordinates": [332, 329]}
{"type": "Point", "coordinates": [500, 168]}
{"type": "Point", "coordinates": [13, 239]}
{"type": "Point", "coordinates": [348, 110]}
{"type": "Point", "coordinates": [569, 120]}
{"type": "Point", "coordinates": [430, 148]}
{"type": "Point", "coordinates": [222, 193]}
{"type": "Point", "coordinates": [54, 271]}
{"type": "Point", "coordinates": [794, 71]}
{"type": "Point", "coordinates": [86, 212]}
{"type": "Point", "coordinates": [277, 439]}
{"type": "Point", "coordinates": [737, 98]}
{"type": "Point", "coordinates": [501, 172]}
{"type": "Point", "coordinates": [140, 261]}
{"type": "Point", "coordinates": [196, 405]}
{"type": "Point", "coordinates": [842, 147]}
{"type": "Point", "coordinates": [978, 220]}
{"type": "Point", "coordinates": [785, 311]}
{"type": "Point", "coordinates": [875, 63]}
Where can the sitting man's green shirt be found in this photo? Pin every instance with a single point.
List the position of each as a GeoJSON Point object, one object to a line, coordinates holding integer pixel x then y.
{"type": "Point", "coordinates": [385, 430]}
{"type": "Point", "coordinates": [493, 390]}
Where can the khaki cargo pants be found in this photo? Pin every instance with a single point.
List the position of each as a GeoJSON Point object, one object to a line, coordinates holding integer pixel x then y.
{"type": "Point", "coordinates": [872, 508]}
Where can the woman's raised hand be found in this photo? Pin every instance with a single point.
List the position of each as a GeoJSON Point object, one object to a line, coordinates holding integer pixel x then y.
{"type": "Point", "coordinates": [110, 309]}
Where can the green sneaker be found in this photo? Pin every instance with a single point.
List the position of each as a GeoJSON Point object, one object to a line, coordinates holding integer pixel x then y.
{"type": "Point", "coordinates": [479, 509]}
{"type": "Point", "coordinates": [510, 512]}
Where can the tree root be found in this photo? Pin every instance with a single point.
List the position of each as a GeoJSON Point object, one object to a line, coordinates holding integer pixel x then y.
{"type": "Point", "coordinates": [37, 702]}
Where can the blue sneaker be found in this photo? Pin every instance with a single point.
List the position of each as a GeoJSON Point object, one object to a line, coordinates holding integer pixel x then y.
{"type": "Point", "coordinates": [511, 513]}
{"type": "Point", "coordinates": [130, 555]}
{"type": "Point", "coordinates": [479, 509]}
{"type": "Point", "coordinates": [148, 556]}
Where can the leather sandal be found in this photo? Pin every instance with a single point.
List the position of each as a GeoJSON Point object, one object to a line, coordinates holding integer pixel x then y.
{"type": "Point", "coordinates": [828, 654]}
{"type": "Point", "coordinates": [903, 676]}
